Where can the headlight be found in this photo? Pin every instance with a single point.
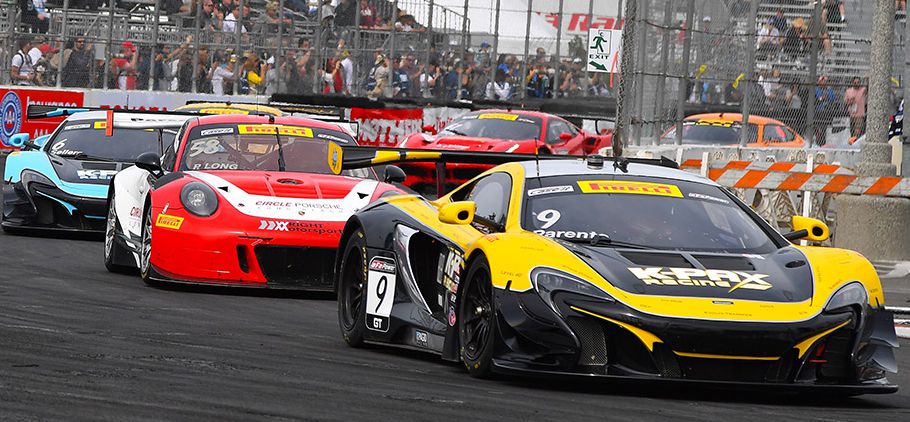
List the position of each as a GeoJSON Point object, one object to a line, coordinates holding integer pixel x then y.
{"type": "Point", "coordinates": [199, 199]}
{"type": "Point", "coordinates": [29, 177]}
{"type": "Point", "coordinates": [548, 281]}
{"type": "Point", "coordinates": [851, 294]}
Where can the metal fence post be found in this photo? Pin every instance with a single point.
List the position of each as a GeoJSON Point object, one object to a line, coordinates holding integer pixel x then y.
{"type": "Point", "coordinates": [684, 73]}
{"type": "Point", "coordinates": [238, 38]}
{"type": "Point", "coordinates": [464, 31]}
{"type": "Point", "coordinates": [197, 25]}
{"type": "Point", "coordinates": [430, 38]}
{"type": "Point", "coordinates": [750, 81]}
{"type": "Point", "coordinates": [524, 69]}
{"type": "Point", "coordinates": [625, 72]}
{"type": "Point", "coordinates": [495, 53]}
{"type": "Point", "coordinates": [317, 55]}
{"type": "Point", "coordinates": [356, 55]}
{"type": "Point", "coordinates": [558, 48]}
{"type": "Point", "coordinates": [152, 67]}
{"type": "Point", "coordinates": [815, 36]}
{"type": "Point", "coordinates": [62, 43]}
{"type": "Point", "coordinates": [664, 59]}
{"type": "Point", "coordinates": [391, 57]}
{"type": "Point", "coordinates": [279, 55]}
{"type": "Point", "coordinates": [108, 53]}
{"type": "Point", "coordinates": [640, 63]}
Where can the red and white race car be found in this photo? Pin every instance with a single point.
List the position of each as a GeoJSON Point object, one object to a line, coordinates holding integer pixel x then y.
{"type": "Point", "coordinates": [239, 200]}
{"type": "Point", "coordinates": [511, 131]}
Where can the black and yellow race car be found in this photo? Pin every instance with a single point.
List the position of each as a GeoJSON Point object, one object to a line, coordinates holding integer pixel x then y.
{"type": "Point", "coordinates": [595, 267]}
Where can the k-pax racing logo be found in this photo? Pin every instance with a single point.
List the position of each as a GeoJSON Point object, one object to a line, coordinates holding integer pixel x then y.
{"type": "Point", "coordinates": [732, 280]}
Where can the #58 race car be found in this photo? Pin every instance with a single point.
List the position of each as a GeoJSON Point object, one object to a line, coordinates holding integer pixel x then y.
{"type": "Point", "coordinates": [59, 181]}
{"type": "Point", "coordinates": [635, 271]}
{"type": "Point", "coordinates": [238, 200]}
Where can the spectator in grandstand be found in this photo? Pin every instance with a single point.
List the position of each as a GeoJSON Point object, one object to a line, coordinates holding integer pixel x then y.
{"type": "Point", "coordinates": [541, 57]}
{"type": "Point", "coordinates": [370, 81]}
{"type": "Point", "coordinates": [793, 98]}
{"type": "Point", "coordinates": [22, 70]}
{"type": "Point", "coordinates": [484, 54]}
{"type": "Point", "coordinates": [855, 100]}
{"type": "Point", "coordinates": [328, 14]}
{"type": "Point", "coordinates": [538, 82]}
{"type": "Point", "coordinates": [348, 65]}
{"type": "Point", "coordinates": [499, 89]}
{"type": "Point", "coordinates": [794, 40]}
{"type": "Point", "coordinates": [333, 77]}
{"type": "Point", "coordinates": [833, 11]}
{"type": "Point", "coordinates": [769, 40]}
{"type": "Point", "coordinates": [76, 64]}
{"type": "Point", "coordinates": [824, 106]}
{"type": "Point", "coordinates": [229, 24]}
{"type": "Point", "coordinates": [185, 72]}
{"type": "Point", "coordinates": [900, 5]}
{"type": "Point", "coordinates": [251, 73]}
{"type": "Point", "coordinates": [124, 66]}
{"type": "Point", "coordinates": [203, 84]}
{"type": "Point", "coordinates": [779, 21]}
{"type": "Point", "coordinates": [45, 71]}
{"type": "Point", "coordinates": [429, 80]}
{"type": "Point", "coordinates": [452, 80]}
{"type": "Point", "coordinates": [368, 15]}
{"type": "Point", "coordinates": [208, 20]}
{"type": "Point", "coordinates": [270, 22]}
{"type": "Point", "coordinates": [381, 88]}
{"type": "Point", "coordinates": [401, 80]}
{"type": "Point", "coordinates": [344, 13]}
{"type": "Point", "coordinates": [34, 14]}
{"type": "Point", "coordinates": [222, 70]}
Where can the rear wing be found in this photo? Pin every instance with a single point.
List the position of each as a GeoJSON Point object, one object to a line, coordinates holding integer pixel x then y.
{"type": "Point", "coordinates": [322, 113]}
{"type": "Point", "coordinates": [355, 157]}
{"type": "Point", "coordinates": [35, 111]}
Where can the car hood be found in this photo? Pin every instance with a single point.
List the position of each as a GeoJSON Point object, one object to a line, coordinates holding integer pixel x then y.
{"type": "Point", "coordinates": [467, 143]}
{"type": "Point", "coordinates": [289, 195]}
{"type": "Point", "coordinates": [781, 276]}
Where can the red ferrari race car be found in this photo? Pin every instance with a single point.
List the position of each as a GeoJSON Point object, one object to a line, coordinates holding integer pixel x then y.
{"type": "Point", "coordinates": [509, 131]}
{"type": "Point", "coordinates": [239, 200]}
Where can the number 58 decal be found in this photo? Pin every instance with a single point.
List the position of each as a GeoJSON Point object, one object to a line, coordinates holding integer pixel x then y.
{"type": "Point", "coordinates": [380, 293]}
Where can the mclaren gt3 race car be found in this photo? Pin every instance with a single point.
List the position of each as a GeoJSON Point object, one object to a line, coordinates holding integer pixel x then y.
{"type": "Point", "coordinates": [639, 271]}
{"type": "Point", "coordinates": [60, 181]}
{"type": "Point", "coordinates": [239, 200]}
{"type": "Point", "coordinates": [511, 131]}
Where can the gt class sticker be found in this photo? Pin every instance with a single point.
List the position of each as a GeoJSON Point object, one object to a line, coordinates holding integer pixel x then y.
{"type": "Point", "coordinates": [634, 188]}
{"type": "Point", "coordinates": [380, 293]}
{"type": "Point", "coordinates": [732, 280]}
{"type": "Point", "coordinates": [169, 221]}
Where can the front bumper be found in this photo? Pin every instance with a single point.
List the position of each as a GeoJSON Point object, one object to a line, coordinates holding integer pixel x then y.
{"type": "Point", "coordinates": [44, 207]}
{"type": "Point", "coordinates": [595, 338]}
{"type": "Point", "coordinates": [213, 251]}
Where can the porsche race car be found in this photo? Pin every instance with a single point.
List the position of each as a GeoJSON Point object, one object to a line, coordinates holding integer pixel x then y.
{"type": "Point", "coordinates": [637, 271]}
{"type": "Point", "coordinates": [59, 182]}
{"type": "Point", "coordinates": [239, 200]}
{"type": "Point", "coordinates": [511, 131]}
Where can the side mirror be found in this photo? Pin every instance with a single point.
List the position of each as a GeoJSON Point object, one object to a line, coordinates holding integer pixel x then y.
{"type": "Point", "coordinates": [461, 212]}
{"type": "Point", "coordinates": [18, 140]}
{"type": "Point", "coordinates": [809, 229]}
{"type": "Point", "coordinates": [41, 140]}
{"type": "Point", "coordinates": [393, 174]}
{"type": "Point", "coordinates": [429, 129]}
{"type": "Point", "coordinates": [150, 162]}
{"type": "Point", "coordinates": [566, 136]}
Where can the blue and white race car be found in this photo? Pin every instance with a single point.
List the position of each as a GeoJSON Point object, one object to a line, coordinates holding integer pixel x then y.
{"type": "Point", "coordinates": [60, 181]}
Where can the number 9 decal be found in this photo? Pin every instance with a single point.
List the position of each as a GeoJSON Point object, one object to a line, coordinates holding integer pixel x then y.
{"type": "Point", "coordinates": [380, 293]}
{"type": "Point", "coordinates": [549, 218]}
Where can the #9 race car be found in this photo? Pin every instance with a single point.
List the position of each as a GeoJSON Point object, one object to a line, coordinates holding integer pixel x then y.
{"type": "Point", "coordinates": [239, 200]}
{"type": "Point", "coordinates": [60, 181]}
{"type": "Point", "coordinates": [574, 268]}
{"type": "Point", "coordinates": [496, 131]}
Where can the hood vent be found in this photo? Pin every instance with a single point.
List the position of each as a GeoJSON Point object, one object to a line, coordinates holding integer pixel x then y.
{"type": "Point", "coordinates": [729, 263]}
{"type": "Point", "coordinates": [650, 259]}
{"type": "Point", "coordinates": [88, 165]}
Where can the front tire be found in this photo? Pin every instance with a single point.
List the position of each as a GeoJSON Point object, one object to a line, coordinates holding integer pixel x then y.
{"type": "Point", "coordinates": [113, 252]}
{"type": "Point", "coordinates": [351, 285]}
{"type": "Point", "coordinates": [145, 249]}
{"type": "Point", "coordinates": [477, 320]}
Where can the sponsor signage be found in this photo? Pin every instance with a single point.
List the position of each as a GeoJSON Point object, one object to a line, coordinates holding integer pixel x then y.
{"type": "Point", "coordinates": [14, 102]}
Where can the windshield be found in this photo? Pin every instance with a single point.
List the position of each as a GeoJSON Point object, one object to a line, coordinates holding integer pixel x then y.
{"type": "Point", "coordinates": [507, 126]}
{"type": "Point", "coordinates": [710, 133]}
{"type": "Point", "coordinates": [86, 139]}
{"type": "Point", "coordinates": [255, 147]}
{"type": "Point", "coordinates": [648, 212]}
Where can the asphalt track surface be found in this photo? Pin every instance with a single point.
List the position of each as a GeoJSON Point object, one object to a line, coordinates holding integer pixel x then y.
{"type": "Point", "coordinates": [77, 342]}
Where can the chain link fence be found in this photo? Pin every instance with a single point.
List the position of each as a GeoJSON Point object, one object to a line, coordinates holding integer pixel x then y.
{"type": "Point", "coordinates": [801, 63]}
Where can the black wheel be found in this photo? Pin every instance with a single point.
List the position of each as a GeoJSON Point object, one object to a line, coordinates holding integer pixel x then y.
{"type": "Point", "coordinates": [351, 283]}
{"type": "Point", "coordinates": [113, 252]}
{"type": "Point", "coordinates": [477, 320]}
{"type": "Point", "coordinates": [145, 249]}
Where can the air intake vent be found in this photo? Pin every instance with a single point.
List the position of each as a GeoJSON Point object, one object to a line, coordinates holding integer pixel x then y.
{"type": "Point", "coordinates": [658, 259]}
{"type": "Point", "coordinates": [99, 166]}
{"type": "Point", "coordinates": [729, 263]}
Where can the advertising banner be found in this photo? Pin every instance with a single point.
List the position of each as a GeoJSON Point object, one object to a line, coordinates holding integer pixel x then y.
{"type": "Point", "coordinates": [386, 127]}
{"type": "Point", "coordinates": [14, 102]}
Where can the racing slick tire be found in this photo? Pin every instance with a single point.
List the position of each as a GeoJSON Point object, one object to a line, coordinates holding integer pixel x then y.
{"type": "Point", "coordinates": [351, 283]}
{"type": "Point", "coordinates": [477, 320]}
{"type": "Point", "coordinates": [145, 249]}
{"type": "Point", "coordinates": [113, 252]}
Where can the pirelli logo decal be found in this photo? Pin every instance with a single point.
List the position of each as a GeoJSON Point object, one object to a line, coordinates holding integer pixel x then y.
{"type": "Point", "coordinates": [271, 129]}
{"type": "Point", "coordinates": [634, 188]}
{"type": "Point", "coordinates": [169, 221]}
{"type": "Point", "coordinates": [731, 280]}
{"type": "Point", "coordinates": [499, 116]}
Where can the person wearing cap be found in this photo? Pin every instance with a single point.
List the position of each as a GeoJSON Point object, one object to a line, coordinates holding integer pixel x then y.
{"type": "Point", "coordinates": [45, 71]}
{"type": "Point", "coordinates": [124, 66]}
{"type": "Point", "coordinates": [348, 67]}
{"type": "Point", "coordinates": [824, 101]}
{"type": "Point", "coordinates": [221, 72]}
{"type": "Point", "coordinates": [484, 54]}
